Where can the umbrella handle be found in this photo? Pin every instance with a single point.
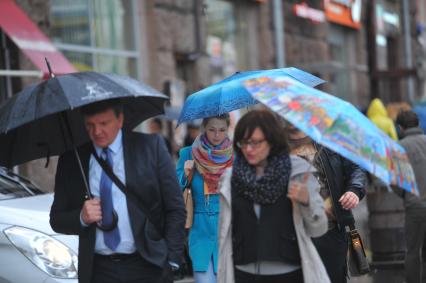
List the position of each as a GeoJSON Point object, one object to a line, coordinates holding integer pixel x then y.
{"type": "Point", "coordinates": [109, 227]}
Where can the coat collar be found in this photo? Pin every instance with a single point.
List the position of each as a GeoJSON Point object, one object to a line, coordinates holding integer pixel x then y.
{"type": "Point", "coordinates": [413, 131]}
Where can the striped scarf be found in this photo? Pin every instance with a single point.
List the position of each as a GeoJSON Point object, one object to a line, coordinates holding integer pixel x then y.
{"type": "Point", "coordinates": [211, 161]}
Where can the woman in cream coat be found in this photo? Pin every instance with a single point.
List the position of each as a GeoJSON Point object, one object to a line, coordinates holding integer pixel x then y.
{"type": "Point", "coordinates": [265, 180]}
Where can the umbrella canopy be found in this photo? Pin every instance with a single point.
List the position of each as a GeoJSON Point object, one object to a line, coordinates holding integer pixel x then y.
{"type": "Point", "coordinates": [420, 110]}
{"type": "Point", "coordinates": [230, 94]}
{"type": "Point", "coordinates": [171, 113]}
{"type": "Point", "coordinates": [34, 123]}
{"type": "Point", "coordinates": [337, 125]}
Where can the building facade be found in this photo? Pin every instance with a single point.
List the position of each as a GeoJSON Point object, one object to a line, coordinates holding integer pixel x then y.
{"type": "Point", "coordinates": [180, 46]}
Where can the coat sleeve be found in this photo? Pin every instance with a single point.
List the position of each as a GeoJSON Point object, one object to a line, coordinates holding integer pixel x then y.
{"type": "Point", "coordinates": [184, 155]}
{"type": "Point", "coordinates": [64, 218]}
{"type": "Point", "coordinates": [355, 178]}
{"type": "Point", "coordinates": [313, 214]}
{"type": "Point", "coordinates": [173, 205]}
{"type": "Point", "coordinates": [225, 269]}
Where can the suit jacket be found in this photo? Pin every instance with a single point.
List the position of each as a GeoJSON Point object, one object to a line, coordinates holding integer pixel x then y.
{"type": "Point", "coordinates": [151, 176]}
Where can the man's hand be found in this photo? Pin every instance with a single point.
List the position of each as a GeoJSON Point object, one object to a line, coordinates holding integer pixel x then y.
{"type": "Point", "coordinates": [298, 192]}
{"type": "Point", "coordinates": [349, 200]}
{"type": "Point", "coordinates": [91, 211]}
{"type": "Point", "coordinates": [187, 167]}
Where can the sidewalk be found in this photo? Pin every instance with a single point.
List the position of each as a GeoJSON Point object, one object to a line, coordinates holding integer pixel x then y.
{"type": "Point", "coordinates": [185, 280]}
{"type": "Point", "coordinates": [395, 275]}
{"type": "Point", "coordinates": [375, 276]}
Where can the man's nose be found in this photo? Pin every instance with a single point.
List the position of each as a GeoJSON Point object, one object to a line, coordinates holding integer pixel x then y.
{"type": "Point", "coordinates": [96, 130]}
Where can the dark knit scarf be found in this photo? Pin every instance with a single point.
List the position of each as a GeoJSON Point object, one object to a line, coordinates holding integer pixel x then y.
{"type": "Point", "coordinates": [266, 189]}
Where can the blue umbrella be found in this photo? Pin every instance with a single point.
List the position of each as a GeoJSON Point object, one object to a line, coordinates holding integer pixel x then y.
{"type": "Point", "coordinates": [230, 94]}
{"type": "Point", "coordinates": [420, 110]}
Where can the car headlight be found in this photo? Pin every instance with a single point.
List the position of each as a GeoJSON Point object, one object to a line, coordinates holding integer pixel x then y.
{"type": "Point", "coordinates": [47, 253]}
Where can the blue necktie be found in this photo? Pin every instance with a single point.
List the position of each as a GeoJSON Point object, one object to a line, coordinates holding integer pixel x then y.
{"type": "Point", "coordinates": [111, 238]}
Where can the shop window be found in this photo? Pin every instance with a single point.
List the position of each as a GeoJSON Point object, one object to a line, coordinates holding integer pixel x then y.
{"type": "Point", "coordinates": [339, 56]}
{"type": "Point", "coordinates": [96, 35]}
{"type": "Point", "coordinates": [231, 37]}
{"type": "Point", "coordinates": [221, 34]}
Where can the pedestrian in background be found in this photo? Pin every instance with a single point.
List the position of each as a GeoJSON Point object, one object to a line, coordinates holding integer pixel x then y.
{"type": "Point", "coordinates": [414, 142]}
{"type": "Point", "coordinates": [208, 157]}
{"type": "Point", "coordinates": [342, 187]}
{"type": "Point", "coordinates": [269, 210]}
{"type": "Point", "coordinates": [156, 127]}
{"type": "Point", "coordinates": [192, 132]}
{"type": "Point", "coordinates": [378, 114]}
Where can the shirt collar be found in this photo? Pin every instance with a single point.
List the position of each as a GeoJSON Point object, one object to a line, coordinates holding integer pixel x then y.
{"type": "Point", "coordinates": [115, 146]}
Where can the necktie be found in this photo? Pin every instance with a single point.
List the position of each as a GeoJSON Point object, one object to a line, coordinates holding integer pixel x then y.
{"type": "Point", "coordinates": [111, 238]}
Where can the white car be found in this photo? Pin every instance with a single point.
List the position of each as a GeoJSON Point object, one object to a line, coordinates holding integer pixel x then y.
{"type": "Point", "coordinates": [30, 251]}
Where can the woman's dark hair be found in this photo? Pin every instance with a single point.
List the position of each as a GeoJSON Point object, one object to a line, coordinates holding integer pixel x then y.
{"type": "Point", "coordinates": [220, 117]}
{"type": "Point", "coordinates": [407, 119]}
{"type": "Point", "coordinates": [269, 124]}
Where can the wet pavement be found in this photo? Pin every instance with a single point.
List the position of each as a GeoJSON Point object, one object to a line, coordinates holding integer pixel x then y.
{"type": "Point", "coordinates": [383, 273]}
{"type": "Point", "coordinates": [376, 276]}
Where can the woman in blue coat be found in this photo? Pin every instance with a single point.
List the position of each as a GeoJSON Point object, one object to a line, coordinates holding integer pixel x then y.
{"type": "Point", "coordinates": [209, 156]}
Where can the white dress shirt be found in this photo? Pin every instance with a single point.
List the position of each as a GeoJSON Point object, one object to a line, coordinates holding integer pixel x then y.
{"type": "Point", "coordinates": [127, 243]}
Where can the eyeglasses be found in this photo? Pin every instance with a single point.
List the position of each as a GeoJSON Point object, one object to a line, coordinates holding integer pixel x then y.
{"type": "Point", "coordinates": [252, 143]}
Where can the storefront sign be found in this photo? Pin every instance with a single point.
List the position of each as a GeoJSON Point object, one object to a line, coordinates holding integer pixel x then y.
{"type": "Point", "coordinates": [306, 12]}
{"type": "Point", "coordinates": [344, 12]}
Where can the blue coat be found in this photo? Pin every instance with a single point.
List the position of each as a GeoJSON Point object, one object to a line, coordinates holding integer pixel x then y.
{"type": "Point", "coordinates": [203, 239]}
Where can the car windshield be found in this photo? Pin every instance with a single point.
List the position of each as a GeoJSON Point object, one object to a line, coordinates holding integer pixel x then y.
{"type": "Point", "coordinates": [13, 186]}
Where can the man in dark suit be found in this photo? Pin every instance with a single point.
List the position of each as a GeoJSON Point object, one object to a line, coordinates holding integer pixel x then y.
{"type": "Point", "coordinates": [149, 235]}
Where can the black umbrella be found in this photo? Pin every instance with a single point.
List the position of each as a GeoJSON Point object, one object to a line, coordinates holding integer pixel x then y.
{"type": "Point", "coordinates": [30, 127]}
{"type": "Point", "coordinates": [44, 120]}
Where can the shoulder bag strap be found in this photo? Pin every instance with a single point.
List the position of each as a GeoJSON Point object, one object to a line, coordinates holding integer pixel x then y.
{"type": "Point", "coordinates": [190, 176]}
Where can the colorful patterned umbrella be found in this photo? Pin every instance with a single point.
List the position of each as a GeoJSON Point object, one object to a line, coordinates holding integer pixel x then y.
{"type": "Point", "coordinates": [337, 125]}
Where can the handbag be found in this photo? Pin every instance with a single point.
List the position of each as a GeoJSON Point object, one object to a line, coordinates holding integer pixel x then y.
{"type": "Point", "coordinates": [189, 203]}
{"type": "Point", "coordinates": [357, 260]}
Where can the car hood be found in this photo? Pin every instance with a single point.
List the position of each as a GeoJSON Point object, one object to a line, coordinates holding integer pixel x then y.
{"type": "Point", "coordinates": [30, 212]}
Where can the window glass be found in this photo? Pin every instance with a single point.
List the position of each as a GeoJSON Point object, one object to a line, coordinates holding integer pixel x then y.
{"type": "Point", "coordinates": [96, 35]}
{"type": "Point", "coordinates": [115, 64]}
{"type": "Point", "coordinates": [112, 24]}
{"type": "Point", "coordinates": [70, 22]}
{"type": "Point", "coordinates": [10, 189]}
{"type": "Point", "coordinates": [96, 23]}
{"type": "Point", "coordinates": [339, 77]}
{"type": "Point", "coordinates": [81, 61]}
{"type": "Point", "coordinates": [221, 30]}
